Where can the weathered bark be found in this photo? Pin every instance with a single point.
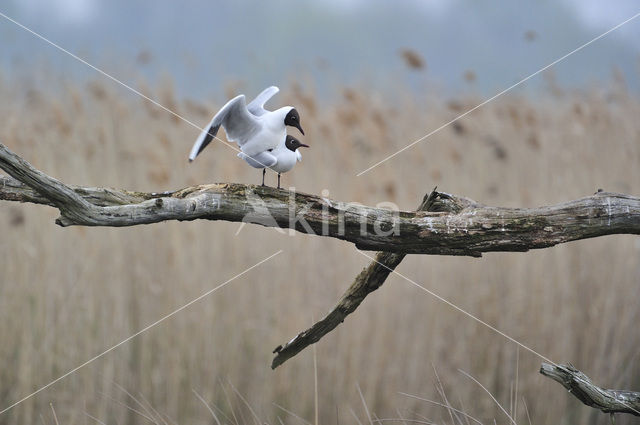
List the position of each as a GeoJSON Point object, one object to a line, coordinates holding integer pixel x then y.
{"type": "Point", "coordinates": [454, 226]}
{"type": "Point", "coordinates": [579, 384]}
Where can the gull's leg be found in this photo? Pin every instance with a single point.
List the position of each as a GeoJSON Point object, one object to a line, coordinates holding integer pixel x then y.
{"type": "Point", "coordinates": [264, 171]}
{"type": "Point", "coordinates": [278, 180]}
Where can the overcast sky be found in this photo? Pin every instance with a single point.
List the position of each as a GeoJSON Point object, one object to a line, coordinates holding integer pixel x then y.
{"type": "Point", "coordinates": [205, 43]}
{"type": "Point", "coordinates": [597, 14]}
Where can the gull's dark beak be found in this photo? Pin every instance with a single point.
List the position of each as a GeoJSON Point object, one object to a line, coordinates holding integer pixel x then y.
{"type": "Point", "coordinates": [302, 145]}
{"type": "Point", "coordinates": [299, 127]}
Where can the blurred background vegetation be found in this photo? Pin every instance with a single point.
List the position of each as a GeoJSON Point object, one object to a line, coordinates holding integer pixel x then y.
{"type": "Point", "coordinates": [368, 79]}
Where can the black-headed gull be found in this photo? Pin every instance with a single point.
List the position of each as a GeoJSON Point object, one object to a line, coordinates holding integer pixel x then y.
{"type": "Point", "coordinates": [255, 129]}
{"type": "Point", "coordinates": [281, 159]}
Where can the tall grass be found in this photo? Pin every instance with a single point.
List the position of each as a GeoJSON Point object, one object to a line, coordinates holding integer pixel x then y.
{"type": "Point", "coordinates": [68, 294]}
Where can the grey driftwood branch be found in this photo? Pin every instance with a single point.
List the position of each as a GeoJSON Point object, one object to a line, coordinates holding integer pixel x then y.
{"type": "Point", "coordinates": [370, 278]}
{"type": "Point", "coordinates": [453, 226]}
{"type": "Point", "coordinates": [579, 384]}
{"type": "Point", "coordinates": [443, 224]}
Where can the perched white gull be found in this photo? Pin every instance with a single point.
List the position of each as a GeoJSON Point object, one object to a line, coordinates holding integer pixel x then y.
{"type": "Point", "coordinates": [280, 159]}
{"type": "Point", "coordinates": [255, 129]}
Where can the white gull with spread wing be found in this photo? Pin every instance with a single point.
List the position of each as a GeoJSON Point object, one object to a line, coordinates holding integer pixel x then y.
{"type": "Point", "coordinates": [255, 129]}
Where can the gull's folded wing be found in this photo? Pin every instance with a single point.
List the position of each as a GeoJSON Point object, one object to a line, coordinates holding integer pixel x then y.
{"type": "Point", "coordinates": [262, 160]}
{"type": "Point", "coordinates": [238, 123]}
{"type": "Point", "coordinates": [256, 106]}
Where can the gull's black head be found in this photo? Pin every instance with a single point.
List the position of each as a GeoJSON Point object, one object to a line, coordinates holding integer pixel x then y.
{"type": "Point", "coordinates": [292, 143]}
{"type": "Point", "coordinates": [293, 119]}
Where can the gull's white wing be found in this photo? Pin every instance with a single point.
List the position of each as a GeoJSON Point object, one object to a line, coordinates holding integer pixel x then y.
{"type": "Point", "coordinates": [239, 124]}
{"type": "Point", "coordinates": [261, 160]}
{"type": "Point", "coordinates": [256, 106]}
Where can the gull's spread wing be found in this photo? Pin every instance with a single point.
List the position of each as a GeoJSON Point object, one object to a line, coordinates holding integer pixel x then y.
{"type": "Point", "coordinates": [239, 124]}
{"type": "Point", "coordinates": [256, 107]}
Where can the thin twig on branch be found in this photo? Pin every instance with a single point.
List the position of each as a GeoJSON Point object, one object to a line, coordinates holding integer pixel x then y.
{"type": "Point", "coordinates": [581, 386]}
{"type": "Point", "coordinates": [454, 226]}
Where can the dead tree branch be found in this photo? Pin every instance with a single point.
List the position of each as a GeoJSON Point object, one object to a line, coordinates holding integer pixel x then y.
{"type": "Point", "coordinates": [443, 224]}
{"type": "Point", "coordinates": [453, 226]}
{"type": "Point", "coordinates": [579, 384]}
{"type": "Point", "coordinates": [369, 279]}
